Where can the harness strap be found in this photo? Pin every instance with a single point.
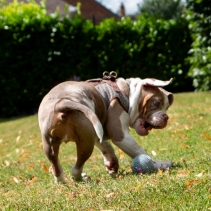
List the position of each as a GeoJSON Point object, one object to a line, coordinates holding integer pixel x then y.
{"type": "Point", "coordinates": [98, 81]}
{"type": "Point", "coordinates": [110, 79]}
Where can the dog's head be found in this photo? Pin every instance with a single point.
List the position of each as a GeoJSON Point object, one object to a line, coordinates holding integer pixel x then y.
{"type": "Point", "coordinates": [148, 105]}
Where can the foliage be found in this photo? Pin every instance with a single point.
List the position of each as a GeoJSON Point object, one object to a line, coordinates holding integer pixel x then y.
{"type": "Point", "coordinates": [146, 48]}
{"type": "Point", "coordinates": [199, 16]}
{"type": "Point", "coordinates": [170, 9]}
{"type": "Point", "coordinates": [39, 51]}
{"type": "Point", "coordinates": [26, 184]}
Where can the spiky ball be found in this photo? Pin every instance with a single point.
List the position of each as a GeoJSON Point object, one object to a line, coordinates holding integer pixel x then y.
{"type": "Point", "coordinates": [142, 164]}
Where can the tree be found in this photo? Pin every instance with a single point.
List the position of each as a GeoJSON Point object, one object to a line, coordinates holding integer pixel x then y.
{"type": "Point", "coordinates": [199, 16]}
{"type": "Point", "coordinates": [165, 9]}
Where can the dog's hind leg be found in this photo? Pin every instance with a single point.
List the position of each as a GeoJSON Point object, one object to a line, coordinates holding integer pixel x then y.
{"type": "Point", "coordinates": [110, 159]}
{"type": "Point", "coordinates": [51, 149]}
{"type": "Point", "coordinates": [84, 151]}
{"type": "Point", "coordinates": [85, 137]}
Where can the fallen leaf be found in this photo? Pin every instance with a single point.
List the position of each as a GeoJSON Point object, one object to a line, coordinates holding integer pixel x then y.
{"type": "Point", "coordinates": [200, 174]}
{"type": "Point", "coordinates": [45, 169]}
{"type": "Point", "coordinates": [94, 167]}
{"type": "Point", "coordinates": [187, 127]}
{"type": "Point", "coordinates": [110, 195]}
{"type": "Point", "coordinates": [18, 138]}
{"type": "Point", "coordinates": [31, 166]}
{"type": "Point", "coordinates": [154, 153]}
{"type": "Point", "coordinates": [190, 190]}
{"type": "Point", "coordinates": [33, 179]}
{"type": "Point", "coordinates": [193, 182]}
{"type": "Point", "coordinates": [21, 159]}
{"type": "Point", "coordinates": [130, 171]}
{"type": "Point", "coordinates": [182, 160]}
{"type": "Point", "coordinates": [121, 154]}
{"type": "Point", "coordinates": [7, 163]}
{"type": "Point", "coordinates": [183, 173]}
{"type": "Point", "coordinates": [160, 172]}
{"type": "Point", "coordinates": [72, 195]}
{"type": "Point", "coordinates": [154, 181]}
{"type": "Point", "coordinates": [162, 149]}
{"type": "Point", "coordinates": [138, 187]}
{"type": "Point", "coordinates": [106, 210]}
{"type": "Point", "coordinates": [183, 146]}
{"type": "Point", "coordinates": [207, 136]}
{"type": "Point", "coordinates": [15, 179]}
{"type": "Point", "coordinates": [97, 181]}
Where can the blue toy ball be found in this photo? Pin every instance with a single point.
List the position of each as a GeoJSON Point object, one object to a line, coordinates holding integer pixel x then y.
{"type": "Point", "coordinates": [142, 164]}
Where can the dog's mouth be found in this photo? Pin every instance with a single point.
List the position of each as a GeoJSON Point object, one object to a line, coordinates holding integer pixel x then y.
{"type": "Point", "coordinates": [143, 127]}
{"type": "Point", "coordinates": [148, 126]}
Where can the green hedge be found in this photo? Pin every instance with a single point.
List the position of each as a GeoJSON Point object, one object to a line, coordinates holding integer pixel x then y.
{"type": "Point", "coordinates": [199, 17]}
{"type": "Point", "coordinates": [146, 48]}
{"type": "Point", "coordinates": [37, 51]}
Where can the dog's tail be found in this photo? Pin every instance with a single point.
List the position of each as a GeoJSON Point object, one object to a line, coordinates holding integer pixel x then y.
{"type": "Point", "coordinates": [65, 105]}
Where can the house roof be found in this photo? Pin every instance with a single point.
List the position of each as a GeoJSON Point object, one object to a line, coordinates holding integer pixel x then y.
{"type": "Point", "coordinates": [90, 9]}
{"type": "Point", "coordinates": [52, 5]}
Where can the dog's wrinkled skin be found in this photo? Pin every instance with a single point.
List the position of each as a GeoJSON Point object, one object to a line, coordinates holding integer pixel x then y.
{"type": "Point", "coordinates": [75, 111]}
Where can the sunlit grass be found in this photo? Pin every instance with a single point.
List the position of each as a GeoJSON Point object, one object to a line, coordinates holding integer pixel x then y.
{"type": "Point", "coordinates": [26, 184]}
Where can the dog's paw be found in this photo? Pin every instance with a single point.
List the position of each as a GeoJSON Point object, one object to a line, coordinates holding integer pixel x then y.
{"type": "Point", "coordinates": [162, 165]}
{"type": "Point", "coordinates": [112, 166]}
{"type": "Point", "coordinates": [60, 179]}
{"type": "Point", "coordinates": [112, 170]}
{"type": "Point", "coordinates": [85, 178]}
{"type": "Point", "coordinates": [82, 178]}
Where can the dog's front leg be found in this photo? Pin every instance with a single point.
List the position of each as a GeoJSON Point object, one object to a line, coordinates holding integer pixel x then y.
{"type": "Point", "coordinates": [110, 159]}
{"type": "Point", "coordinates": [118, 129]}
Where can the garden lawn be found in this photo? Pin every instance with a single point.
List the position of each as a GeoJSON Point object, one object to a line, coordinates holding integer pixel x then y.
{"type": "Point", "coordinates": [26, 184]}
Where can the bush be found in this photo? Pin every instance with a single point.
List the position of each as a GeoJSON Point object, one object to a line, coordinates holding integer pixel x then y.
{"type": "Point", "coordinates": [146, 48]}
{"type": "Point", "coordinates": [39, 51]}
{"type": "Point", "coordinates": [199, 16]}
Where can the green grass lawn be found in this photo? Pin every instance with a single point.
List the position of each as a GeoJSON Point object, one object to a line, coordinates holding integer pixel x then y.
{"type": "Point", "coordinates": [26, 184]}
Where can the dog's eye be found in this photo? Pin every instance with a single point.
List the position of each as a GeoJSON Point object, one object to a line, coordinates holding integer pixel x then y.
{"type": "Point", "coordinates": [156, 103]}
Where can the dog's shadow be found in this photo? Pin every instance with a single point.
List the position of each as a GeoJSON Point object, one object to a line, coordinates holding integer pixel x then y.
{"type": "Point", "coordinates": [122, 173]}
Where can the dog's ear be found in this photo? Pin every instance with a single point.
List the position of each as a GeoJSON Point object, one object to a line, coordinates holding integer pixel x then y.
{"type": "Point", "coordinates": [169, 95]}
{"type": "Point", "coordinates": [171, 98]}
{"type": "Point", "coordinates": [155, 82]}
{"type": "Point", "coordinates": [159, 83]}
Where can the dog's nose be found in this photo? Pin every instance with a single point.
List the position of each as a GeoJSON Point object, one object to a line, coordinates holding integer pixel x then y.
{"type": "Point", "coordinates": [165, 117]}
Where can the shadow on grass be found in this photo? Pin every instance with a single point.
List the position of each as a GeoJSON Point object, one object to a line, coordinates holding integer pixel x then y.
{"type": "Point", "coordinates": [3, 120]}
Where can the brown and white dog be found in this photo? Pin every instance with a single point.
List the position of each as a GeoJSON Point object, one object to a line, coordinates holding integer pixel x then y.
{"type": "Point", "coordinates": [77, 111]}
